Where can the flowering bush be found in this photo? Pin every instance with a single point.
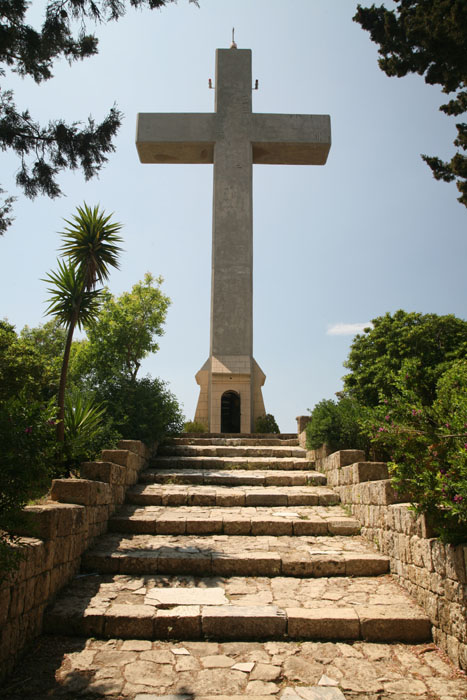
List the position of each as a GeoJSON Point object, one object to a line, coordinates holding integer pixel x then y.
{"type": "Point", "coordinates": [428, 448]}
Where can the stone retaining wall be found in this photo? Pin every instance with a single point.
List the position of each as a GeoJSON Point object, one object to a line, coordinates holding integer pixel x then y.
{"type": "Point", "coordinates": [434, 574]}
{"type": "Point", "coordinates": [302, 422]}
{"type": "Point", "coordinates": [53, 537]}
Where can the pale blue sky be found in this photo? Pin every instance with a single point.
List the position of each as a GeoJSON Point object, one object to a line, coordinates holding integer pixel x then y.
{"type": "Point", "coordinates": [369, 232]}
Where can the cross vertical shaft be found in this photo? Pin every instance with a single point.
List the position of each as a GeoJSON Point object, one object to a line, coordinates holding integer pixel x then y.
{"type": "Point", "coordinates": [232, 243]}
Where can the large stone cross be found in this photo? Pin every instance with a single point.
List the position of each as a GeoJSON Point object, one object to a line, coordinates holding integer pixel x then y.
{"type": "Point", "coordinates": [232, 138]}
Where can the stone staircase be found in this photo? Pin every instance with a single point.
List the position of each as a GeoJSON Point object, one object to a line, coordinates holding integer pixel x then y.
{"type": "Point", "coordinates": [235, 538]}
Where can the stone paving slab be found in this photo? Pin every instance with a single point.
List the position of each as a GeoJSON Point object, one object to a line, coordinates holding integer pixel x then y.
{"type": "Point", "coordinates": [143, 670]}
{"type": "Point", "coordinates": [232, 451]}
{"type": "Point", "coordinates": [236, 477]}
{"type": "Point", "coordinates": [233, 521]}
{"type": "Point", "coordinates": [282, 592]}
{"type": "Point", "coordinates": [186, 495]}
{"type": "Point", "coordinates": [118, 607]}
{"type": "Point", "coordinates": [177, 462]}
{"type": "Point", "coordinates": [231, 555]}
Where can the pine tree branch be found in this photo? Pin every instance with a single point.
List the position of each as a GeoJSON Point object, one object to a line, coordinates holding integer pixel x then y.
{"type": "Point", "coordinates": [44, 151]}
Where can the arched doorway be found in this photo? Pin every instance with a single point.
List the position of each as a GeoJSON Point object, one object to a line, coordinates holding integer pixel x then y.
{"type": "Point", "coordinates": [230, 412]}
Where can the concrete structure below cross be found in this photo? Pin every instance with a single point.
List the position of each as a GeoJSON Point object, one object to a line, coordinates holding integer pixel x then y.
{"type": "Point", "coordinates": [232, 138]}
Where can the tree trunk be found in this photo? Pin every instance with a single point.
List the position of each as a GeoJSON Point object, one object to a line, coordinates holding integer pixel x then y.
{"type": "Point", "coordinates": [63, 377]}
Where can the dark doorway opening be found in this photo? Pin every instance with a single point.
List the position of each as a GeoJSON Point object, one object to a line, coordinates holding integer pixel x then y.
{"type": "Point", "coordinates": [230, 412]}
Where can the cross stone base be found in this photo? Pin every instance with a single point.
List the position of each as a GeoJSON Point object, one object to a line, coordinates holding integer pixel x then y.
{"type": "Point", "coordinates": [229, 376]}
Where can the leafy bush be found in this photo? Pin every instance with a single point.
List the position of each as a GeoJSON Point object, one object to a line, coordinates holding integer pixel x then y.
{"type": "Point", "coordinates": [122, 335]}
{"type": "Point", "coordinates": [266, 424]}
{"type": "Point", "coordinates": [428, 448]}
{"type": "Point", "coordinates": [338, 424]}
{"type": "Point", "coordinates": [406, 401]}
{"type": "Point", "coordinates": [27, 436]}
{"type": "Point", "coordinates": [48, 339]}
{"type": "Point", "coordinates": [142, 409]}
{"type": "Point", "coordinates": [324, 427]}
{"type": "Point", "coordinates": [193, 426]}
{"type": "Point", "coordinates": [430, 342]}
{"type": "Point", "coordinates": [106, 364]}
{"type": "Point", "coordinates": [23, 366]}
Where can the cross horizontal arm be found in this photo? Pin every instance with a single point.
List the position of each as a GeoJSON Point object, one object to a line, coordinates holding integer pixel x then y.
{"type": "Point", "coordinates": [175, 138]}
{"type": "Point", "coordinates": [291, 139]}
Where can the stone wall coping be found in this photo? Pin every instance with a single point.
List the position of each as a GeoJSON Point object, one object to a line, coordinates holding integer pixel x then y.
{"type": "Point", "coordinates": [109, 472]}
{"type": "Point", "coordinates": [125, 458]}
{"type": "Point", "coordinates": [82, 491]}
{"type": "Point", "coordinates": [343, 458]}
{"type": "Point", "coordinates": [134, 446]}
{"type": "Point", "coordinates": [47, 520]}
{"type": "Point", "coordinates": [302, 422]}
{"type": "Point", "coordinates": [363, 471]}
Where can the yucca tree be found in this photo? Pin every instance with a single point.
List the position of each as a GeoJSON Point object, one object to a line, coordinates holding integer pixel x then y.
{"type": "Point", "coordinates": [84, 418]}
{"type": "Point", "coordinates": [72, 306]}
{"type": "Point", "coordinates": [91, 243]}
{"type": "Point", "coordinates": [91, 247]}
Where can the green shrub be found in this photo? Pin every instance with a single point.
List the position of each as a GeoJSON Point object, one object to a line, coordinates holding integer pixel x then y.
{"type": "Point", "coordinates": [193, 426]}
{"type": "Point", "coordinates": [142, 409]}
{"type": "Point", "coordinates": [27, 436]}
{"type": "Point", "coordinates": [337, 424]}
{"type": "Point", "coordinates": [405, 402]}
{"type": "Point", "coordinates": [266, 424]}
{"type": "Point", "coordinates": [428, 448]}
{"type": "Point", "coordinates": [24, 367]}
{"type": "Point", "coordinates": [430, 342]}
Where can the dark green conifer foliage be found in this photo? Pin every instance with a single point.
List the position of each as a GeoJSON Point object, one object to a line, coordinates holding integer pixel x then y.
{"type": "Point", "coordinates": [428, 37]}
{"type": "Point", "coordinates": [45, 150]}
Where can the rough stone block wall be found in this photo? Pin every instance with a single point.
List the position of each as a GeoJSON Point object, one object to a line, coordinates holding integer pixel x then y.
{"type": "Point", "coordinates": [302, 422]}
{"type": "Point", "coordinates": [53, 537]}
{"type": "Point", "coordinates": [435, 574]}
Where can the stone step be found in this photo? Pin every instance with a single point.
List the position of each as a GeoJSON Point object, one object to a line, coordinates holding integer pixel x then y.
{"type": "Point", "coordinates": [223, 496]}
{"type": "Point", "coordinates": [224, 555]}
{"type": "Point", "coordinates": [289, 440]}
{"type": "Point", "coordinates": [233, 451]}
{"type": "Point", "coordinates": [154, 607]}
{"type": "Point", "coordinates": [196, 520]}
{"type": "Point", "coordinates": [268, 463]}
{"type": "Point", "coordinates": [235, 477]}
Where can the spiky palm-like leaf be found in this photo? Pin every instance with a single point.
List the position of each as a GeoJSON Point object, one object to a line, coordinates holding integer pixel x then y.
{"type": "Point", "coordinates": [83, 418]}
{"type": "Point", "coordinates": [69, 302]}
{"type": "Point", "coordinates": [85, 428]}
{"type": "Point", "coordinates": [91, 243]}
